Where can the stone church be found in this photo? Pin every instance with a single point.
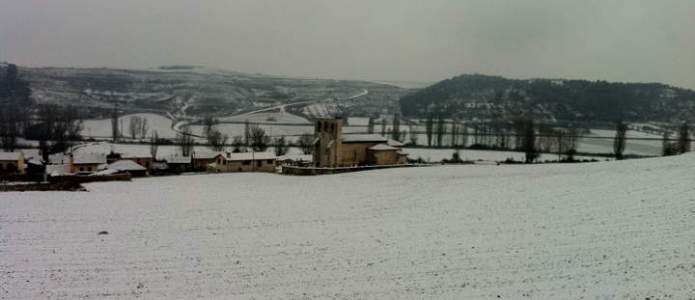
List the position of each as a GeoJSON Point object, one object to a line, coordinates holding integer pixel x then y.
{"type": "Point", "coordinates": [333, 149]}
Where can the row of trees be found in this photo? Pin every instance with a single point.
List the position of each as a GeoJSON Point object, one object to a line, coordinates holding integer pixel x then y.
{"type": "Point", "coordinates": [682, 143]}
{"type": "Point", "coordinates": [669, 147]}
{"type": "Point", "coordinates": [55, 127]}
{"type": "Point", "coordinates": [255, 138]}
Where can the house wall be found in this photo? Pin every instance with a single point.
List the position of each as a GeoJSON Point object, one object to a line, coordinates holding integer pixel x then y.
{"type": "Point", "coordinates": [381, 158]}
{"type": "Point", "coordinates": [202, 164]}
{"type": "Point", "coordinates": [74, 168]}
{"type": "Point", "coordinates": [223, 165]}
{"type": "Point", "coordinates": [355, 154]}
{"type": "Point", "coordinates": [328, 150]}
{"type": "Point", "coordinates": [12, 166]}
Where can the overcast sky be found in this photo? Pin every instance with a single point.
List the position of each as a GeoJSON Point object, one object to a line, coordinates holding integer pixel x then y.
{"type": "Point", "coordinates": [426, 40]}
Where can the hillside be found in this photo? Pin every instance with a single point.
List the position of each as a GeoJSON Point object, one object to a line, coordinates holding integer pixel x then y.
{"type": "Point", "coordinates": [613, 230]}
{"type": "Point", "coordinates": [471, 96]}
{"type": "Point", "coordinates": [189, 91]}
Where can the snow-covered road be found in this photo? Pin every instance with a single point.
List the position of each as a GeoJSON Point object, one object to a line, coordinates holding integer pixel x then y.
{"type": "Point", "coordinates": [612, 230]}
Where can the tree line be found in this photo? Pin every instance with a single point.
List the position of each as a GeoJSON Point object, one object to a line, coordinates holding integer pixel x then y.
{"type": "Point", "coordinates": [55, 127]}
{"type": "Point", "coordinates": [254, 138]}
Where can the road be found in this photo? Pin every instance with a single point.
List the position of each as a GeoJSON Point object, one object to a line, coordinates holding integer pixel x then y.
{"type": "Point", "coordinates": [183, 122]}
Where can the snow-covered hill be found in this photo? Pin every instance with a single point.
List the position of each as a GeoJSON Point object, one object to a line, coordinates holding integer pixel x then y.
{"type": "Point", "coordinates": [611, 230]}
{"type": "Point", "coordinates": [185, 92]}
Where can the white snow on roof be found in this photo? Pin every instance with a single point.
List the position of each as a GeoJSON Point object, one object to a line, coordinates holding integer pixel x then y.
{"type": "Point", "coordinates": [382, 147]}
{"type": "Point", "coordinates": [58, 169]}
{"type": "Point", "coordinates": [363, 138]}
{"type": "Point", "coordinates": [178, 160]}
{"type": "Point", "coordinates": [59, 159]}
{"type": "Point", "coordinates": [137, 153]}
{"type": "Point", "coordinates": [89, 158]}
{"type": "Point", "coordinates": [249, 156]}
{"type": "Point", "coordinates": [296, 157]}
{"type": "Point", "coordinates": [32, 153]}
{"type": "Point", "coordinates": [394, 143]}
{"type": "Point", "coordinates": [205, 155]}
{"type": "Point", "coordinates": [126, 165]}
{"type": "Point", "coordinates": [107, 172]}
{"type": "Point", "coordinates": [13, 156]}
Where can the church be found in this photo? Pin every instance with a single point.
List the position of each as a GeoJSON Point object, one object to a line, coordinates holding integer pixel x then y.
{"type": "Point", "coordinates": [333, 149]}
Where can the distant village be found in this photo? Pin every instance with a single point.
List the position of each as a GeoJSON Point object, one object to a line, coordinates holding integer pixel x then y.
{"type": "Point", "coordinates": [333, 152]}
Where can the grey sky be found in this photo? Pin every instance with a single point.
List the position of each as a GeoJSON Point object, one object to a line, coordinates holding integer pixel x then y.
{"type": "Point", "coordinates": [426, 40]}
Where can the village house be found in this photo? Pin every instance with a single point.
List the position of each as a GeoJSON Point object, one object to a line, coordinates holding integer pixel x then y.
{"type": "Point", "coordinates": [201, 160]}
{"type": "Point", "coordinates": [86, 162]}
{"type": "Point", "coordinates": [243, 162]}
{"type": "Point", "coordinates": [144, 160]}
{"type": "Point", "coordinates": [334, 149]}
{"type": "Point", "coordinates": [128, 166]}
{"type": "Point", "coordinates": [178, 164]}
{"type": "Point", "coordinates": [12, 163]}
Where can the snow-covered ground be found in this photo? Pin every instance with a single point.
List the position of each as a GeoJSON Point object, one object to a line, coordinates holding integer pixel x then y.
{"type": "Point", "coordinates": [268, 117]}
{"type": "Point", "coordinates": [437, 155]}
{"type": "Point", "coordinates": [611, 230]}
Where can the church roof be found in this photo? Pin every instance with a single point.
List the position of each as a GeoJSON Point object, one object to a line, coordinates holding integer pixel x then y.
{"type": "Point", "coordinates": [364, 138]}
{"type": "Point", "coordinates": [383, 147]}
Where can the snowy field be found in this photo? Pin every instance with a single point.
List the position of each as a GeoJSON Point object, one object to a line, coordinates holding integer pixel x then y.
{"type": "Point", "coordinates": [437, 155]}
{"type": "Point", "coordinates": [268, 117]}
{"type": "Point", "coordinates": [292, 126]}
{"type": "Point", "coordinates": [610, 230]}
{"type": "Point", "coordinates": [102, 128]}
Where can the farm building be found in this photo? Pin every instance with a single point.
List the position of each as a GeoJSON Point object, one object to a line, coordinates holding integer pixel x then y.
{"type": "Point", "coordinates": [334, 149]}
{"type": "Point", "coordinates": [243, 162]}
{"type": "Point", "coordinates": [142, 159]}
{"type": "Point", "coordinates": [201, 160]}
{"type": "Point", "coordinates": [128, 166]}
{"type": "Point", "coordinates": [86, 162]}
{"type": "Point", "coordinates": [12, 163]}
{"type": "Point", "coordinates": [178, 163]}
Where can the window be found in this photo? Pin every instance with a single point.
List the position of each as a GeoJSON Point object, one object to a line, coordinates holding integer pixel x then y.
{"type": "Point", "coordinates": [270, 161]}
{"type": "Point", "coordinates": [246, 163]}
{"type": "Point", "coordinates": [259, 163]}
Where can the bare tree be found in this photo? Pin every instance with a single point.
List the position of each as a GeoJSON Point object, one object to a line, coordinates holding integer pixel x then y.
{"type": "Point", "coordinates": [429, 128]}
{"type": "Point", "coordinates": [8, 130]}
{"type": "Point", "coordinates": [135, 126]}
{"type": "Point", "coordinates": [306, 143]}
{"type": "Point", "coordinates": [619, 140]}
{"type": "Point", "coordinates": [441, 130]}
{"type": "Point", "coordinates": [370, 125]}
{"type": "Point", "coordinates": [529, 141]}
{"type": "Point", "coordinates": [247, 133]}
{"type": "Point", "coordinates": [281, 147]}
{"type": "Point", "coordinates": [454, 133]}
{"type": "Point", "coordinates": [396, 128]}
{"type": "Point", "coordinates": [684, 138]}
{"type": "Point", "coordinates": [238, 144]}
{"type": "Point", "coordinates": [185, 141]}
{"type": "Point", "coordinates": [154, 145]}
{"type": "Point", "coordinates": [667, 148]}
{"type": "Point", "coordinates": [217, 140]}
{"type": "Point", "coordinates": [115, 133]}
{"type": "Point", "coordinates": [383, 126]}
{"type": "Point", "coordinates": [209, 123]}
{"type": "Point", "coordinates": [412, 135]}
{"type": "Point", "coordinates": [144, 128]}
{"type": "Point", "coordinates": [259, 140]}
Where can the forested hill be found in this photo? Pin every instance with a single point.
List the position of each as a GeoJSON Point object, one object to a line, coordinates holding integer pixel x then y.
{"type": "Point", "coordinates": [480, 96]}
